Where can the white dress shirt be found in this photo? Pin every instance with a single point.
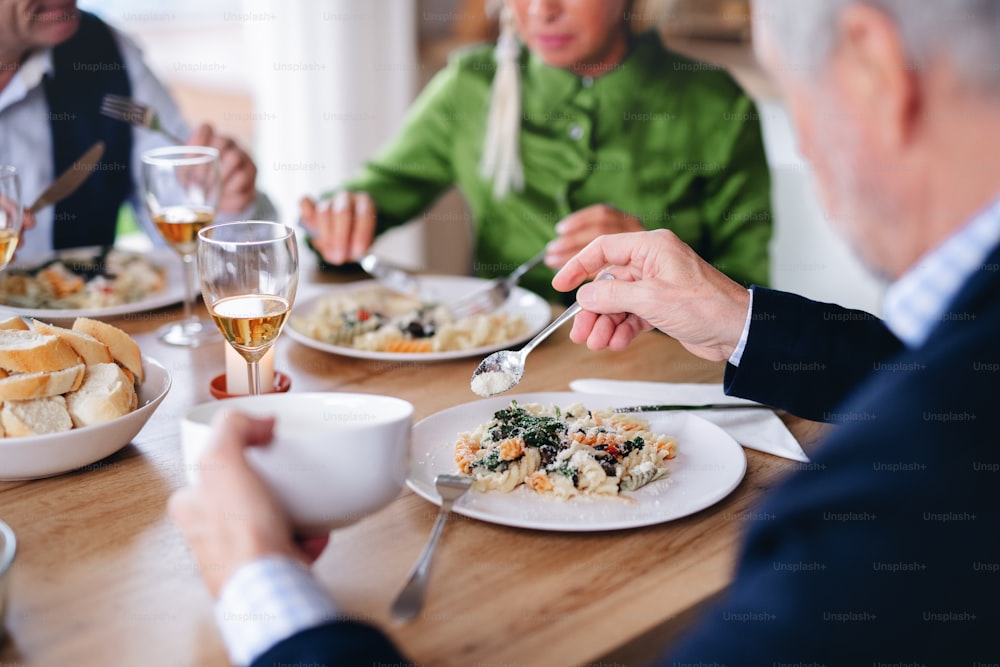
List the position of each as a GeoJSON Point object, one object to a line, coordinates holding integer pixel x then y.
{"type": "Point", "coordinates": [919, 300]}
{"type": "Point", "coordinates": [266, 601]}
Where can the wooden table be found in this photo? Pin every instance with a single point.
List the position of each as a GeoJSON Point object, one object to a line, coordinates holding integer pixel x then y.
{"type": "Point", "coordinates": [103, 577]}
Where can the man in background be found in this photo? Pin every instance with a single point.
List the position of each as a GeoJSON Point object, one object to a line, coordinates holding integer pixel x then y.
{"type": "Point", "coordinates": [56, 65]}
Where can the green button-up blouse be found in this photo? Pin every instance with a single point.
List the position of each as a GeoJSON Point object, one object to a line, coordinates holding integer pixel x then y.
{"type": "Point", "coordinates": [669, 140]}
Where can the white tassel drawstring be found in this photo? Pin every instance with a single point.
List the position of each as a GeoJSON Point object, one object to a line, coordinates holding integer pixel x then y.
{"type": "Point", "coordinates": [501, 160]}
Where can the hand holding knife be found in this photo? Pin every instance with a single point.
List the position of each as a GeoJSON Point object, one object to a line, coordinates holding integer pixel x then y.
{"type": "Point", "coordinates": [69, 180]}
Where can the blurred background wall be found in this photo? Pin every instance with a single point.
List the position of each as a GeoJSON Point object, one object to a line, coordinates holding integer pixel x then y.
{"type": "Point", "coordinates": [312, 87]}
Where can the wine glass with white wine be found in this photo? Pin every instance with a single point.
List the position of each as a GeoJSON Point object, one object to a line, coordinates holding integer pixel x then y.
{"type": "Point", "coordinates": [249, 272]}
{"type": "Point", "coordinates": [11, 213]}
{"type": "Point", "coordinates": [182, 185]}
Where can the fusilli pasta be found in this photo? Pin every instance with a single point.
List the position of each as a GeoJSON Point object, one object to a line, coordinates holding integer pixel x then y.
{"type": "Point", "coordinates": [564, 452]}
{"type": "Point", "coordinates": [377, 320]}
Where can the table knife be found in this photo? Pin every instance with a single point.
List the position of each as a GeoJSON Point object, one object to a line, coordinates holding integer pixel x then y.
{"type": "Point", "coordinates": [704, 406]}
{"type": "Point", "coordinates": [394, 278]}
{"type": "Point", "coordinates": [70, 179]}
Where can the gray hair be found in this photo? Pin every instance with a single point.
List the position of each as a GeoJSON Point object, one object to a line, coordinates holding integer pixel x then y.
{"type": "Point", "coordinates": [964, 32]}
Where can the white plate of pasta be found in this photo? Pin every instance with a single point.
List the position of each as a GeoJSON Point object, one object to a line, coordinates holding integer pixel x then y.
{"type": "Point", "coordinates": [92, 282]}
{"type": "Point", "coordinates": [704, 467]}
{"type": "Point", "coordinates": [366, 321]}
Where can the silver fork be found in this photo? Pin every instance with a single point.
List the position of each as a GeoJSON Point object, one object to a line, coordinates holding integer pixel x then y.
{"type": "Point", "coordinates": [411, 598]}
{"type": "Point", "coordinates": [495, 294]}
{"type": "Point", "coordinates": [130, 111]}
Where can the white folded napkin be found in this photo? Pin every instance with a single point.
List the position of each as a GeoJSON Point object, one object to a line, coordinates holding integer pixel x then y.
{"type": "Point", "coordinates": [757, 429]}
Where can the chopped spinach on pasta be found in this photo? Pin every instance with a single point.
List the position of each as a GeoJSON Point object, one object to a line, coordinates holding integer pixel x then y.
{"type": "Point", "coordinates": [563, 452]}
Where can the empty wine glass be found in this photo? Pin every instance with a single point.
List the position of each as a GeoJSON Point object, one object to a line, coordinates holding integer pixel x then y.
{"type": "Point", "coordinates": [249, 272]}
{"type": "Point", "coordinates": [11, 213]}
{"type": "Point", "coordinates": [182, 185]}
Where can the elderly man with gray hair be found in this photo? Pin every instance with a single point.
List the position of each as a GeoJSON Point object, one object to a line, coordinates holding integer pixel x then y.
{"type": "Point", "coordinates": [883, 550]}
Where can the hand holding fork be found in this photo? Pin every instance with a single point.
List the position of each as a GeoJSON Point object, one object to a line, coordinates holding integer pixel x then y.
{"type": "Point", "coordinates": [239, 173]}
{"type": "Point", "coordinates": [134, 113]}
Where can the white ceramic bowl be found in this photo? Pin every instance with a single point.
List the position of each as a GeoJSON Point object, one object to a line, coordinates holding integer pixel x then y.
{"type": "Point", "coordinates": [46, 455]}
{"type": "Point", "coordinates": [8, 547]}
{"type": "Point", "coordinates": [335, 458]}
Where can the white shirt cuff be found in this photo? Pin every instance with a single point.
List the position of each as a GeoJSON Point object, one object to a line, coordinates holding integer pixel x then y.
{"type": "Point", "coordinates": [266, 601]}
{"type": "Point", "coordinates": [737, 354]}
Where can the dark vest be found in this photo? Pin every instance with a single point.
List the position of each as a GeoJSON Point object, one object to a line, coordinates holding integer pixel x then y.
{"type": "Point", "coordinates": [85, 68]}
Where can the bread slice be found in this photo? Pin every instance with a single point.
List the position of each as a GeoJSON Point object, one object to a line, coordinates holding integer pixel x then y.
{"type": "Point", "coordinates": [14, 324]}
{"type": "Point", "coordinates": [124, 350]}
{"type": "Point", "coordinates": [35, 417]}
{"type": "Point", "coordinates": [32, 352]}
{"type": "Point", "coordinates": [25, 386]}
{"type": "Point", "coordinates": [106, 394]}
{"type": "Point", "coordinates": [91, 350]}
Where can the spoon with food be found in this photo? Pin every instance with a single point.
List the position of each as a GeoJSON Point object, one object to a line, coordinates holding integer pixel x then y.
{"type": "Point", "coordinates": [502, 371]}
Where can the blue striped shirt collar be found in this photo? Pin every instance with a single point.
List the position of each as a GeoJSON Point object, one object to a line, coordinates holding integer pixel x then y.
{"type": "Point", "coordinates": [917, 302]}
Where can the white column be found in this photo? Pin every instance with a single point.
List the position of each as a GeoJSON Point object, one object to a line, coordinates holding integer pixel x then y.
{"type": "Point", "coordinates": [807, 255]}
{"type": "Point", "coordinates": [331, 81]}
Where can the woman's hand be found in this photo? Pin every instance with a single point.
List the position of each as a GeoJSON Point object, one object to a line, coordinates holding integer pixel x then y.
{"type": "Point", "coordinates": [577, 230]}
{"type": "Point", "coordinates": [341, 229]}
{"type": "Point", "coordinates": [661, 283]}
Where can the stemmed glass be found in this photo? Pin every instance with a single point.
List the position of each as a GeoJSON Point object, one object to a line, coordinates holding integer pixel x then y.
{"type": "Point", "coordinates": [11, 213]}
{"type": "Point", "coordinates": [249, 272]}
{"type": "Point", "coordinates": [182, 185]}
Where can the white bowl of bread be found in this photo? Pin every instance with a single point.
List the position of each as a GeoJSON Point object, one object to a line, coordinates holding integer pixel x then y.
{"type": "Point", "coordinates": [70, 397]}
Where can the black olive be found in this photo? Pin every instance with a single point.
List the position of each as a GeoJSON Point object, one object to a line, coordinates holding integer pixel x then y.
{"type": "Point", "coordinates": [608, 465]}
{"type": "Point", "coordinates": [548, 453]}
{"type": "Point", "coordinates": [419, 329]}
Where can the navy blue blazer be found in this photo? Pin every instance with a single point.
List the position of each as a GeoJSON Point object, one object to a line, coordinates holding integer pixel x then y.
{"type": "Point", "coordinates": [885, 549]}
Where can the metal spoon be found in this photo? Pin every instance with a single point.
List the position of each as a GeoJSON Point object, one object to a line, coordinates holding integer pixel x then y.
{"type": "Point", "coordinates": [503, 370]}
{"type": "Point", "coordinates": [411, 598]}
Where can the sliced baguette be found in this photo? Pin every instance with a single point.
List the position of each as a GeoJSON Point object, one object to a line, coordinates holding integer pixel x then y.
{"type": "Point", "coordinates": [124, 350]}
{"type": "Point", "coordinates": [35, 417]}
{"type": "Point", "coordinates": [14, 324]}
{"type": "Point", "coordinates": [106, 394]}
{"type": "Point", "coordinates": [25, 386]}
{"type": "Point", "coordinates": [91, 350]}
{"type": "Point", "coordinates": [32, 352]}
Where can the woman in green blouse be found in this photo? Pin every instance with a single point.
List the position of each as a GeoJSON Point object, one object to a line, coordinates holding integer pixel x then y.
{"type": "Point", "coordinates": [614, 134]}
